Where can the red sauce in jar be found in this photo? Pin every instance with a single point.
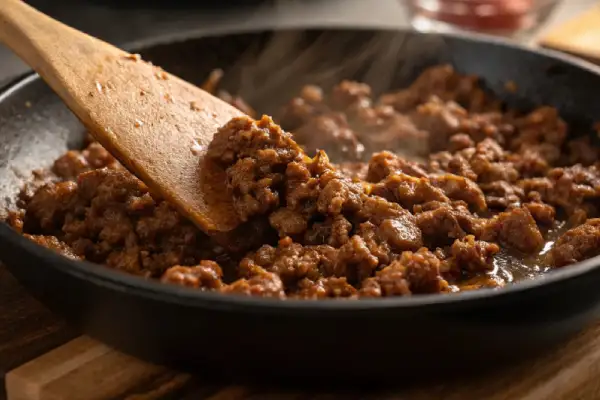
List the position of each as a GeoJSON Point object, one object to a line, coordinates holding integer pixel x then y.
{"type": "Point", "coordinates": [480, 15]}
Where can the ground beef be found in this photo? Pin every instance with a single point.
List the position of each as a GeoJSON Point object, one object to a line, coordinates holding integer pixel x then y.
{"type": "Point", "coordinates": [515, 228]}
{"type": "Point", "coordinates": [14, 219]}
{"type": "Point", "coordinates": [457, 164]}
{"type": "Point", "coordinates": [347, 93]}
{"type": "Point", "coordinates": [385, 163]}
{"type": "Point", "coordinates": [71, 164]}
{"type": "Point", "coordinates": [255, 155]}
{"type": "Point", "coordinates": [444, 82]}
{"type": "Point", "coordinates": [441, 223]}
{"type": "Point", "coordinates": [292, 261]}
{"type": "Point", "coordinates": [415, 272]}
{"type": "Point", "coordinates": [261, 284]}
{"type": "Point", "coordinates": [543, 213]}
{"type": "Point", "coordinates": [502, 194]}
{"type": "Point", "coordinates": [542, 125]}
{"type": "Point", "coordinates": [460, 141]}
{"type": "Point", "coordinates": [362, 254]}
{"type": "Point", "coordinates": [376, 125]}
{"type": "Point", "coordinates": [354, 170]}
{"type": "Point", "coordinates": [334, 231]}
{"type": "Point", "coordinates": [486, 162]}
{"type": "Point", "coordinates": [538, 187]}
{"type": "Point", "coordinates": [207, 275]}
{"type": "Point", "coordinates": [330, 131]}
{"type": "Point", "coordinates": [490, 164]}
{"type": "Point", "coordinates": [109, 217]}
{"type": "Point", "coordinates": [577, 244]}
{"type": "Point", "coordinates": [422, 271]}
{"type": "Point", "coordinates": [74, 162]}
{"type": "Point", "coordinates": [339, 195]}
{"type": "Point", "coordinates": [481, 282]}
{"type": "Point", "coordinates": [382, 127]}
{"type": "Point", "coordinates": [582, 151]}
{"type": "Point", "coordinates": [573, 186]}
{"type": "Point", "coordinates": [288, 222]}
{"type": "Point", "coordinates": [532, 160]}
{"type": "Point", "coordinates": [49, 205]}
{"type": "Point", "coordinates": [408, 190]}
{"type": "Point", "coordinates": [460, 188]}
{"type": "Point", "coordinates": [573, 189]}
{"type": "Point", "coordinates": [322, 288]}
{"type": "Point", "coordinates": [473, 255]}
{"type": "Point", "coordinates": [52, 243]}
{"type": "Point", "coordinates": [440, 118]}
{"type": "Point", "coordinates": [453, 179]}
{"type": "Point", "coordinates": [400, 233]}
{"type": "Point", "coordinates": [301, 109]}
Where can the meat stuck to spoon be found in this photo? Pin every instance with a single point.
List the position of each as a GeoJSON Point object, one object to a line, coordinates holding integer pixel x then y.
{"type": "Point", "coordinates": [155, 124]}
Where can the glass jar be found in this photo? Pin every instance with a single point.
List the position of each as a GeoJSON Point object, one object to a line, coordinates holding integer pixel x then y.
{"type": "Point", "coordinates": [497, 17]}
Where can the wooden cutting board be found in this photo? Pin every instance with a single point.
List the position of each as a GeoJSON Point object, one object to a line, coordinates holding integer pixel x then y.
{"type": "Point", "coordinates": [88, 370]}
{"type": "Point", "coordinates": [579, 36]}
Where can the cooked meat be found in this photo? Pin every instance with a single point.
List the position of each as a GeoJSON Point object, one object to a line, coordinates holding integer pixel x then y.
{"type": "Point", "coordinates": [577, 244]}
{"type": "Point", "coordinates": [52, 243]}
{"type": "Point", "coordinates": [473, 255]}
{"type": "Point", "coordinates": [206, 275]}
{"type": "Point", "coordinates": [385, 163]}
{"type": "Point", "coordinates": [322, 288]}
{"type": "Point", "coordinates": [262, 284]}
{"type": "Point", "coordinates": [515, 228]}
{"type": "Point", "coordinates": [427, 188]}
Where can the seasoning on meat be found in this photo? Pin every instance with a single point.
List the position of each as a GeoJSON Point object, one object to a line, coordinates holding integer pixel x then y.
{"type": "Point", "coordinates": [414, 272]}
{"type": "Point", "coordinates": [331, 287]}
{"type": "Point", "coordinates": [262, 284]}
{"type": "Point", "coordinates": [473, 255]}
{"type": "Point", "coordinates": [52, 243]}
{"type": "Point", "coordinates": [441, 223]}
{"type": "Point", "coordinates": [460, 188]}
{"type": "Point", "coordinates": [408, 190]}
{"type": "Point", "coordinates": [385, 163]}
{"type": "Point", "coordinates": [515, 228]}
{"type": "Point", "coordinates": [255, 155]}
{"type": "Point", "coordinates": [207, 275]}
{"type": "Point", "coordinates": [577, 244]}
{"type": "Point", "coordinates": [292, 261]}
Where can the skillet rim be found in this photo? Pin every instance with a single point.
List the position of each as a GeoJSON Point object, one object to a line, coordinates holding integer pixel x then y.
{"type": "Point", "coordinates": [153, 289]}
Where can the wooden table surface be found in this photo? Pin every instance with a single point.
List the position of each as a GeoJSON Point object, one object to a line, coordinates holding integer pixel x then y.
{"type": "Point", "coordinates": [27, 329]}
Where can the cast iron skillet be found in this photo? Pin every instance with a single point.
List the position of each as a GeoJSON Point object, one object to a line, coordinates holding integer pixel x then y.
{"type": "Point", "coordinates": [398, 338]}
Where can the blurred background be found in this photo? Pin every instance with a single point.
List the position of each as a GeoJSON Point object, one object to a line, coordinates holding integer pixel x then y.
{"type": "Point", "coordinates": [125, 22]}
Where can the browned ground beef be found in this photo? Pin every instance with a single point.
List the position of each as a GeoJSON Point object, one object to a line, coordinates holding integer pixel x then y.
{"type": "Point", "coordinates": [488, 184]}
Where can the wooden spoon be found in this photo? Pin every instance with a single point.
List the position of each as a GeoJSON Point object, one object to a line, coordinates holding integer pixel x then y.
{"type": "Point", "coordinates": [157, 125]}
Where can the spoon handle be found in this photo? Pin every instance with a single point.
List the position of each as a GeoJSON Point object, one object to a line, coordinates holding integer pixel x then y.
{"type": "Point", "coordinates": [49, 47]}
{"type": "Point", "coordinates": [148, 119]}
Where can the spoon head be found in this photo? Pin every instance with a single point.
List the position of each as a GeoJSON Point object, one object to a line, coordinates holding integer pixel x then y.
{"type": "Point", "coordinates": [159, 127]}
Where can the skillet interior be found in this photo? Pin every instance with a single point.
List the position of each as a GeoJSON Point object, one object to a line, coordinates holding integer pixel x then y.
{"type": "Point", "coordinates": [266, 69]}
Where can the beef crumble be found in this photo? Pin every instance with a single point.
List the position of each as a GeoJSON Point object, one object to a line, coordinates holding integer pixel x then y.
{"type": "Point", "coordinates": [454, 187]}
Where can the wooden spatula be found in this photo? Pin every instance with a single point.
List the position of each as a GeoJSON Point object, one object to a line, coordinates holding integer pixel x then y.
{"type": "Point", "coordinates": [155, 124]}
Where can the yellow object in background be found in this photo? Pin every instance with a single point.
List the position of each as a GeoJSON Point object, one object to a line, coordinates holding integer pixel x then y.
{"type": "Point", "coordinates": [579, 36]}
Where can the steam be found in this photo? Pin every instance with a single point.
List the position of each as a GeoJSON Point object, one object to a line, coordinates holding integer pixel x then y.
{"type": "Point", "coordinates": [270, 73]}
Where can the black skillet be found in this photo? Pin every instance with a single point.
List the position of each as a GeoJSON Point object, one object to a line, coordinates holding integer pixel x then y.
{"type": "Point", "coordinates": [397, 338]}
